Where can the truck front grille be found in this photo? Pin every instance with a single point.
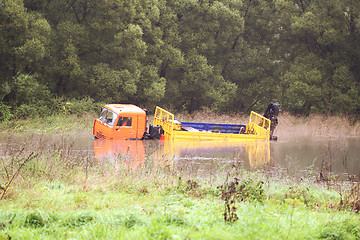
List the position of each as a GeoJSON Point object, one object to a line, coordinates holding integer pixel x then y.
{"type": "Point", "coordinates": [100, 135]}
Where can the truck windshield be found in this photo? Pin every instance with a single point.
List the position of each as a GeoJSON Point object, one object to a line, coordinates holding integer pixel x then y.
{"type": "Point", "coordinates": [108, 116]}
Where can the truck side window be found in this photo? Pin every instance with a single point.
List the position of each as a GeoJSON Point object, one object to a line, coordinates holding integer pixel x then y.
{"type": "Point", "coordinates": [124, 121]}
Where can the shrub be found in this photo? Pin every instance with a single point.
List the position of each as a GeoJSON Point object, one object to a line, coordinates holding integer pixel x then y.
{"type": "Point", "coordinates": [76, 106]}
{"type": "Point", "coordinates": [34, 220]}
{"type": "Point", "coordinates": [5, 112]}
{"type": "Point", "coordinates": [131, 221]}
{"type": "Point", "coordinates": [233, 191]}
{"type": "Point", "coordinates": [80, 220]}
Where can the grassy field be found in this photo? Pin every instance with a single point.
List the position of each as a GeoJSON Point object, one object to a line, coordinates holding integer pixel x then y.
{"type": "Point", "coordinates": [50, 201]}
{"type": "Point", "coordinates": [60, 195]}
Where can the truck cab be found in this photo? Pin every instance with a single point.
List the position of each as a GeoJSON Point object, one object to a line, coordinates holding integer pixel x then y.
{"type": "Point", "coordinates": [120, 121]}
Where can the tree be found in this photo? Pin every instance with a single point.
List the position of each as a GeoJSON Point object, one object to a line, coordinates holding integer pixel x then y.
{"type": "Point", "coordinates": [24, 39]}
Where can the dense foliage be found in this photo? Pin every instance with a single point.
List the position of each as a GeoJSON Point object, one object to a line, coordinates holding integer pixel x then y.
{"type": "Point", "coordinates": [225, 55]}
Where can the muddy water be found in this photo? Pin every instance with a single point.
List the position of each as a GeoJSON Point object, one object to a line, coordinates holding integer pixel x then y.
{"type": "Point", "coordinates": [317, 156]}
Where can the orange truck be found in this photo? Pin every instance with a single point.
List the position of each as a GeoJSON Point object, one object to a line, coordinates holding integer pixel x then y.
{"type": "Point", "coordinates": [123, 121]}
{"type": "Point", "coordinates": [129, 122]}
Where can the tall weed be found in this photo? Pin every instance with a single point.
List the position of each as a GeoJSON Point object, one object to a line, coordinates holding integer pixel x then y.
{"type": "Point", "coordinates": [234, 191]}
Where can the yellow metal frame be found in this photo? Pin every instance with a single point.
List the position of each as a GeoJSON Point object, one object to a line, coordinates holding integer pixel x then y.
{"type": "Point", "coordinates": [166, 120]}
{"type": "Point", "coordinates": [257, 129]}
{"type": "Point", "coordinates": [229, 137]}
{"type": "Point", "coordinates": [258, 125]}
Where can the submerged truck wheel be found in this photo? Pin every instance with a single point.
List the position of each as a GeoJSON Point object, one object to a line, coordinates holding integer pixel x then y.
{"type": "Point", "coordinates": [155, 131]}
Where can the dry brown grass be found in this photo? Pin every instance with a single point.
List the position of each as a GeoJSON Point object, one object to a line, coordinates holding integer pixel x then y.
{"type": "Point", "coordinates": [316, 125]}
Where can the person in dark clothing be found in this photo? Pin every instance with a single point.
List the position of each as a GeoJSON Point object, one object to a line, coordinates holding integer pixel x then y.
{"type": "Point", "coordinates": [272, 113]}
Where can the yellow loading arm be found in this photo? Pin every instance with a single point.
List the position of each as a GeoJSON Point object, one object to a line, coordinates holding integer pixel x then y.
{"type": "Point", "coordinates": [258, 125]}
{"type": "Point", "coordinates": [166, 120]}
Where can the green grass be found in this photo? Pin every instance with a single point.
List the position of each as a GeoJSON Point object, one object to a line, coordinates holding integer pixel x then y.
{"type": "Point", "coordinates": [51, 124]}
{"type": "Point", "coordinates": [121, 204]}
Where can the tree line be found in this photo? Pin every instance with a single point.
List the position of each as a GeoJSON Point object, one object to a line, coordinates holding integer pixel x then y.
{"type": "Point", "coordinates": [186, 55]}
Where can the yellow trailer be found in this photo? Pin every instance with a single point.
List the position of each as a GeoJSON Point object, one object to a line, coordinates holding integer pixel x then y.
{"type": "Point", "coordinates": [258, 128]}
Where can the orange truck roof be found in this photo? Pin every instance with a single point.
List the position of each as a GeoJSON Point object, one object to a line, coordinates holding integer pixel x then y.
{"type": "Point", "coordinates": [125, 108]}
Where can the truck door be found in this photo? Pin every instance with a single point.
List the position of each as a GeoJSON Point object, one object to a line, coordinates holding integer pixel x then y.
{"type": "Point", "coordinates": [103, 126]}
{"type": "Point", "coordinates": [141, 126]}
{"type": "Point", "coordinates": [125, 127]}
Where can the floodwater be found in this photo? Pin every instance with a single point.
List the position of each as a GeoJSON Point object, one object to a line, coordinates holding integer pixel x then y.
{"type": "Point", "coordinates": [316, 156]}
{"type": "Point", "coordinates": [338, 157]}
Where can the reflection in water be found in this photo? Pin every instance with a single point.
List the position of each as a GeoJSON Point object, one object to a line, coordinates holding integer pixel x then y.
{"type": "Point", "coordinates": [303, 156]}
{"type": "Point", "coordinates": [300, 156]}
{"type": "Point", "coordinates": [206, 156]}
{"type": "Point", "coordinates": [129, 153]}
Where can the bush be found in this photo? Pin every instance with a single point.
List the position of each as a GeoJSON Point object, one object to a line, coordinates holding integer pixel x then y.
{"type": "Point", "coordinates": [344, 230]}
{"type": "Point", "coordinates": [75, 106]}
{"type": "Point", "coordinates": [5, 112]}
{"type": "Point", "coordinates": [34, 220]}
{"type": "Point", "coordinates": [80, 220]}
{"type": "Point", "coordinates": [32, 111]}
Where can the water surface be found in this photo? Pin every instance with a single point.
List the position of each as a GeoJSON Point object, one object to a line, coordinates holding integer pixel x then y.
{"type": "Point", "coordinates": [318, 156]}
